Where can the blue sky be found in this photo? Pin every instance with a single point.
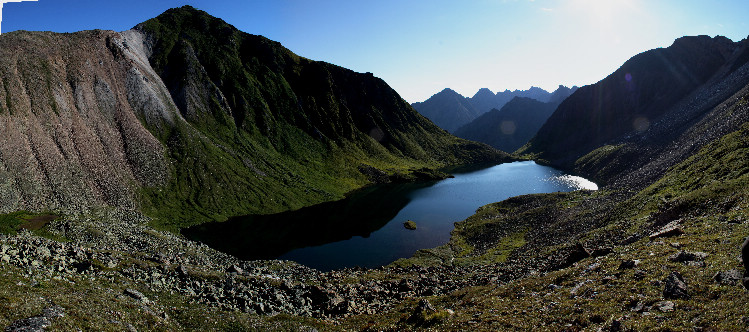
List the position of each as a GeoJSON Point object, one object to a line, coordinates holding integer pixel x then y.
{"type": "Point", "coordinates": [422, 46]}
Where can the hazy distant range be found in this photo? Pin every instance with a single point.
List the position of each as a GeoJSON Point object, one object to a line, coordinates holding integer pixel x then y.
{"type": "Point", "coordinates": [505, 120]}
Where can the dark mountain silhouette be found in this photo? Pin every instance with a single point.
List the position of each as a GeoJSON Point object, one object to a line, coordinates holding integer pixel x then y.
{"type": "Point", "coordinates": [484, 100]}
{"type": "Point", "coordinates": [511, 127]}
{"type": "Point", "coordinates": [447, 109]}
{"type": "Point", "coordinates": [450, 110]}
{"type": "Point", "coordinates": [616, 131]}
{"type": "Point", "coordinates": [561, 93]}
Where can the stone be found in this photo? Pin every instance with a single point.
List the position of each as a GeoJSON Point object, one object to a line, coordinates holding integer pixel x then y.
{"type": "Point", "coordinates": [675, 287]}
{"type": "Point", "coordinates": [687, 256]}
{"type": "Point", "coordinates": [137, 295]}
{"type": "Point", "coordinates": [664, 306]}
{"type": "Point", "coordinates": [39, 322]}
{"type": "Point", "coordinates": [671, 229]}
{"type": "Point", "coordinates": [745, 255]}
{"type": "Point", "coordinates": [235, 269]}
{"type": "Point", "coordinates": [577, 254]}
{"type": "Point", "coordinates": [628, 264]}
{"type": "Point", "coordinates": [410, 225]}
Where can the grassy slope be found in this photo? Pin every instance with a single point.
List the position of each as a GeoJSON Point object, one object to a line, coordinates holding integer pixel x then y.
{"type": "Point", "coordinates": [269, 131]}
{"type": "Point", "coordinates": [708, 192]}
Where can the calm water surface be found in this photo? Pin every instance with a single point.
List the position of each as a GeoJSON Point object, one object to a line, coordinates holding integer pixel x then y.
{"type": "Point", "coordinates": [366, 229]}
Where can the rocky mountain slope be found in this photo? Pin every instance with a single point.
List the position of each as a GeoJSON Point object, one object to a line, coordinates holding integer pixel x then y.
{"type": "Point", "coordinates": [653, 103]}
{"type": "Point", "coordinates": [188, 119]}
{"type": "Point", "coordinates": [510, 127]}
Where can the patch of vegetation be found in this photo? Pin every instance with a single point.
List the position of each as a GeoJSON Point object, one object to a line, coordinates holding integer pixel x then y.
{"type": "Point", "coordinates": [11, 222]}
{"type": "Point", "coordinates": [37, 223]}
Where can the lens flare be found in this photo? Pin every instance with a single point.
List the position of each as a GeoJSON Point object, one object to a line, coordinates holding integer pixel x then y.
{"type": "Point", "coordinates": [641, 124]}
{"type": "Point", "coordinates": [508, 127]}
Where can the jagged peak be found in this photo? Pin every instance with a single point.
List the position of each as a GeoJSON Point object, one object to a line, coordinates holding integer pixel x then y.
{"type": "Point", "coordinates": [483, 91]}
{"type": "Point", "coordinates": [448, 92]}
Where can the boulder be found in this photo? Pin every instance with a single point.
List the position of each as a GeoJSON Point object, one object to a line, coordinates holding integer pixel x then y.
{"type": "Point", "coordinates": [675, 287]}
{"type": "Point", "coordinates": [664, 306]}
{"type": "Point", "coordinates": [628, 264]}
{"type": "Point", "coordinates": [577, 254]}
{"type": "Point", "coordinates": [687, 256]}
{"type": "Point", "coordinates": [671, 229]}
{"type": "Point", "coordinates": [730, 277]}
{"type": "Point", "coordinates": [39, 322]}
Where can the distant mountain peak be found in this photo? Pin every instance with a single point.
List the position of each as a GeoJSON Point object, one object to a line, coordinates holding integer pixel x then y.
{"type": "Point", "coordinates": [448, 91]}
{"type": "Point", "coordinates": [483, 93]}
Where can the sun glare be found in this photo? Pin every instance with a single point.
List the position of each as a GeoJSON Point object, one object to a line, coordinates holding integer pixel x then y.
{"type": "Point", "coordinates": [603, 12]}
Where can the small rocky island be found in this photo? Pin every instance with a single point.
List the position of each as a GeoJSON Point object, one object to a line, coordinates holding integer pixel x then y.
{"type": "Point", "coordinates": [409, 224]}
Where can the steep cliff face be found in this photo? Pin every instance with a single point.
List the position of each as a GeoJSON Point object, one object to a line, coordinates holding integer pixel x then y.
{"type": "Point", "coordinates": [70, 133]}
{"type": "Point", "coordinates": [189, 119]}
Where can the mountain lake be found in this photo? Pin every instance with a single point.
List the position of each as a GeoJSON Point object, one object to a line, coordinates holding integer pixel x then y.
{"type": "Point", "coordinates": [366, 228]}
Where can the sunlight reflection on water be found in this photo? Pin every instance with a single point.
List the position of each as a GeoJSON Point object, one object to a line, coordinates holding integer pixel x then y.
{"type": "Point", "coordinates": [575, 181]}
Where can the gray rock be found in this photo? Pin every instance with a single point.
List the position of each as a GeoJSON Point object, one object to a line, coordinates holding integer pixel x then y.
{"type": "Point", "coordinates": [137, 295]}
{"type": "Point", "coordinates": [664, 306]}
{"type": "Point", "coordinates": [675, 287]}
{"type": "Point", "coordinates": [687, 256]}
{"type": "Point", "coordinates": [37, 323]}
{"type": "Point", "coordinates": [671, 229]}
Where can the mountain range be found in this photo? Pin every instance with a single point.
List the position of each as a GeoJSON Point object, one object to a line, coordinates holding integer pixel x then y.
{"type": "Point", "coordinates": [450, 110]}
{"type": "Point", "coordinates": [110, 142]}
{"type": "Point", "coordinates": [188, 119]}
{"type": "Point", "coordinates": [509, 128]}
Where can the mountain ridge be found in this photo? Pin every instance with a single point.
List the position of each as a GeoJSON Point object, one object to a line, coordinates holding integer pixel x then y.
{"type": "Point", "coordinates": [669, 77]}
{"type": "Point", "coordinates": [450, 110]}
{"type": "Point", "coordinates": [153, 119]}
{"type": "Point", "coordinates": [511, 127]}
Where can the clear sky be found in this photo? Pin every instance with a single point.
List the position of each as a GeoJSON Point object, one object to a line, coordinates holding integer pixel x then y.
{"type": "Point", "coordinates": [423, 46]}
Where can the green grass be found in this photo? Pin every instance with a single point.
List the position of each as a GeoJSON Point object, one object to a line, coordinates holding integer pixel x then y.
{"type": "Point", "coordinates": [37, 223]}
{"type": "Point", "coordinates": [9, 223]}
